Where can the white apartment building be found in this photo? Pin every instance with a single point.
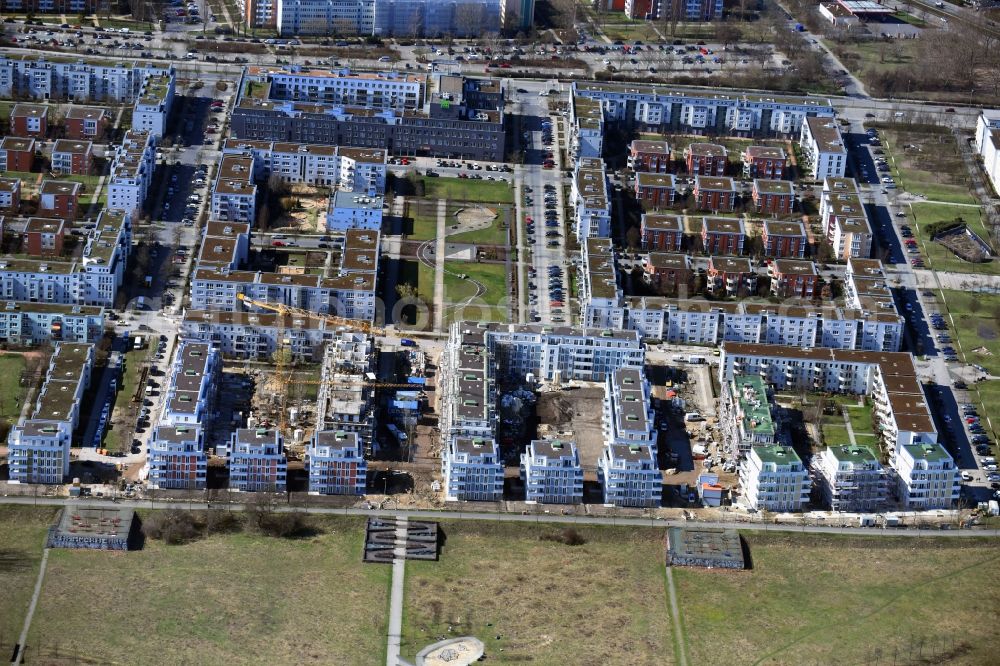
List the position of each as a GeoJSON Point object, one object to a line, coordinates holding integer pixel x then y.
{"type": "Point", "coordinates": [361, 170]}
{"type": "Point", "coordinates": [773, 478]}
{"type": "Point", "coordinates": [745, 415]}
{"type": "Point", "coordinates": [348, 210]}
{"type": "Point", "coordinates": [627, 409]}
{"type": "Point", "coordinates": [467, 385]}
{"type": "Point", "coordinates": [590, 199]}
{"type": "Point", "coordinates": [823, 148]}
{"type": "Point", "coordinates": [36, 323]}
{"type": "Point", "coordinates": [336, 464]}
{"type": "Point", "coordinates": [38, 78]}
{"type": "Point", "coordinates": [850, 478]}
{"type": "Point", "coordinates": [587, 138]}
{"type": "Point", "coordinates": [552, 473]}
{"type": "Point", "coordinates": [694, 111]}
{"type": "Point", "coordinates": [39, 445]}
{"type": "Point", "coordinates": [927, 477]}
{"type": "Point", "coordinates": [852, 238]}
{"type": "Point", "coordinates": [189, 393]}
{"type": "Point", "coordinates": [177, 457]}
{"type": "Point", "coordinates": [234, 196]}
{"type": "Point", "coordinates": [988, 144]}
{"type": "Point", "coordinates": [324, 17]}
{"type": "Point", "coordinates": [257, 335]}
{"type": "Point", "coordinates": [93, 279]}
{"type": "Point", "coordinates": [256, 461]}
{"type": "Point", "coordinates": [345, 401]}
{"type": "Point", "coordinates": [472, 470]}
{"type": "Point", "coordinates": [599, 291]}
{"type": "Point", "coordinates": [375, 90]}
{"type": "Point", "coordinates": [153, 103]}
{"type": "Point", "coordinates": [629, 475]}
{"type": "Point", "coordinates": [132, 171]}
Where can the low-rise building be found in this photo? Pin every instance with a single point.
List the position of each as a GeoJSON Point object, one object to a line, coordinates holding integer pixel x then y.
{"type": "Point", "coordinates": [764, 162]}
{"type": "Point", "coordinates": [43, 236]}
{"type": "Point", "coordinates": [731, 276]}
{"type": "Point", "coordinates": [360, 170]}
{"type": "Point", "coordinates": [663, 233]}
{"type": "Point", "coordinates": [783, 239]}
{"type": "Point", "coordinates": [823, 151]}
{"type": "Point", "coordinates": [629, 475]}
{"type": "Point", "coordinates": [793, 278]}
{"type": "Point", "coordinates": [472, 470]}
{"type": "Point", "coordinates": [852, 237]}
{"type": "Point", "coordinates": [773, 478]}
{"type": "Point", "coordinates": [29, 121]}
{"type": "Point", "coordinates": [10, 195]}
{"type": "Point", "coordinates": [850, 478]}
{"type": "Point", "coordinates": [722, 235]}
{"type": "Point", "coordinates": [336, 463]}
{"type": "Point", "coordinates": [715, 194]}
{"type": "Point", "coordinates": [706, 159]}
{"type": "Point", "coordinates": [17, 154]}
{"type": "Point", "coordinates": [86, 123]}
{"type": "Point", "coordinates": [774, 197]}
{"type": "Point", "coordinates": [552, 473]}
{"type": "Point", "coordinates": [655, 190]}
{"type": "Point", "coordinates": [59, 198]}
{"type": "Point", "coordinates": [348, 210]}
{"type": "Point", "coordinates": [257, 461]}
{"type": "Point", "coordinates": [927, 477]}
{"type": "Point", "coordinates": [650, 156]}
{"type": "Point", "coordinates": [258, 335]}
{"type": "Point", "coordinates": [627, 409]}
{"type": "Point", "coordinates": [670, 274]}
{"type": "Point", "coordinates": [73, 157]}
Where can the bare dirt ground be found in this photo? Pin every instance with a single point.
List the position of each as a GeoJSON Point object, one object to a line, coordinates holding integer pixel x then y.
{"type": "Point", "coordinates": [576, 411]}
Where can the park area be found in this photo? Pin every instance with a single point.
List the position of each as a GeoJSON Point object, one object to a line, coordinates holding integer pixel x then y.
{"type": "Point", "coordinates": [937, 255]}
{"type": "Point", "coordinates": [11, 392]}
{"type": "Point", "coordinates": [835, 432]}
{"type": "Point", "coordinates": [977, 326]}
{"type": "Point", "coordinates": [927, 163]}
{"type": "Point", "coordinates": [22, 539]}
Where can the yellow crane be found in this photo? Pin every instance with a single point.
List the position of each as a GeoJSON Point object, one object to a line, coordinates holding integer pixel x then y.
{"type": "Point", "coordinates": [281, 309]}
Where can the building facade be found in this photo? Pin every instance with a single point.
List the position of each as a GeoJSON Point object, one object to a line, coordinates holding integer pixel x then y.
{"type": "Point", "coordinates": [551, 472]}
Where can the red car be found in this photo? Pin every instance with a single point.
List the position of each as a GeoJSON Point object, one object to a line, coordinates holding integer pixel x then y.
{"type": "Point", "coordinates": [505, 65]}
{"type": "Point", "coordinates": [277, 244]}
{"type": "Point", "coordinates": [529, 219]}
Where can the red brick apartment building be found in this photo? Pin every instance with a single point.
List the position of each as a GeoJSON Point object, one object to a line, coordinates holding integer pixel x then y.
{"type": "Point", "coordinates": [732, 276]}
{"type": "Point", "coordinates": [706, 159]}
{"type": "Point", "coordinates": [784, 239]}
{"type": "Point", "coordinates": [663, 233]}
{"type": "Point", "coordinates": [86, 122]}
{"type": "Point", "coordinates": [774, 197]}
{"type": "Point", "coordinates": [715, 194]}
{"type": "Point", "coordinates": [44, 237]}
{"type": "Point", "coordinates": [29, 121]}
{"type": "Point", "coordinates": [655, 190]}
{"type": "Point", "coordinates": [722, 235]}
{"type": "Point", "coordinates": [650, 156]}
{"type": "Point", "coordinates": [17, 154]}
{"type": "Point", "coordinates": [764, 162]}
{"type": "Point", "coordinates": [793, 278]}
{"type": "Point", "coordinates": [59, 198]}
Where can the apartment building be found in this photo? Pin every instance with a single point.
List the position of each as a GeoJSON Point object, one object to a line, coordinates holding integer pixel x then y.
{"type": "Point", "coordinates": [629, 475]}
{"type": "Point", "coordinates": [60, 199]}
{"type": "Point", "coordinates": [850, 478]}
{"type": "Point", "coordinates": [746, 418]}
{"type": "Point", "coordinates": [462, 118]}
{"type": "Point", "coordinates": [10, 195]}
{"type": "Point", "coordinates": [190, 389]}
{"type": "Point", "coordinates": [39, 445]}
{"type": "Point", "coordinates": [715, 194]}
{"type": "Point", "coordinates": [234, 195]}
{"type": "Point", "coordinates": [587, 120]}
{"type": "Point", "coordinates": [348, 210]}
{"type": "Point", "coordinates": [852, 237]}
{"type": "Point", "coordinates": [177, 457]}
{"type": "Point", "coordinates": [91, 279]}
{"type": "Point", "coordinates": [552, 473]}
{"type": "Point", "coordinates": [705, 111]}
{"type": "Point", "coordinates": [361, 170]}
{"type": "Point", "coordinates": [773, 478]}
{"type": "Point", "coordinates": [670, 274]}
{"type": "Point", "coordinates": [400, 18]}
{"type": "Point", "coordinates": [258, 335]}
{"type": "Point", "coordinates": [706, 159]}
{"type": "Point", "coordinates": [722, 235]}
{"type": "Point", "coordinates": [823, 151]}
{"type": "Point", "coordinates": [132, 171]}
{"type": "Point", "coordinates": [153, 104]}
{"type": "Point", "coordinates": [773, 197]}
{"type": "Point", "coordinates": [627, 409]}
{"type": "Point", "coordinates": [517, 15]}
{"type": "Point", "coordinates": [769, 162]}
{"type": "Point", "coordinates": [590, 199]}
{"type": "Point", "coordinates": [793, 278]}
{"type": "Point", "coordinates": [655, 190]}
{"type": "Point", "coordinates": [256, 460]}
{"type": "Point", "coordinates": [600, 294]}
{"type": "Point", "coordinates": [29, 121]}
{"type": "Point", "coordinates": [926, 477]}
{"type": "Point", "coordinates": [43, 237]}
{"type": "Point", "coordinates": [73, 157]}
{"type": "Point", "coordinates": [17, 154]}
{"type": "Point", "coordinates": [663, 233]}
{"type": "Point", "coordinates": [650, 156]}
{"type": "Point", "coordinates": [472, 470]}
{"type": "Point", "coordinates": [731, 276]}
{"type": "Point", "coordinates": [35, 77]}
{"type": "Point", "coordinates": [783, 239]}
{"type": "Point", "coordinates": [840, 198]}
{"type": "Point", "coordinates": [86, 123]}
{"type": "Point", "coordinates": [336, 464]}
{"type": "Point", "coordinates": [346, 401]}
{"type": "Point", "coordinates": [684, 10]}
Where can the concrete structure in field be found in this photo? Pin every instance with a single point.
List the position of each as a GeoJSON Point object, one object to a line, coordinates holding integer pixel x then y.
{"type": "Point", "coordinates": [773, 478]}
{"type": "Point", "coordinates": [704, 547]}
{"type": "Point", "coordinates": [336, 464]}
{"type": "Point", "coordinates": [453, 116]}
{"type": "Point", "coordinates": [95, 528]}
{"type": "Point", "coordinates": [823, 149]}
{"type": "Point", "coordinates": [927, 477]}
{"type": "Point", "coordinates": [35, 77]}
{"type": "Point", "coordinates": [745, 416]}
{"type": "Point", "coordinates": [850, 478]}
{"type": "Point", "coordinates": [39, 445]}
{"type": "Point", "coordinates": [472, 470]}
{"type": "Point", "coordinates": [256, 461]}
{"type": "Point", "coordinates": [361, 170]}
{"type": "Point", "coordinates": [27, 324]}
{"type": "Point", "coordinates": [348, 210]}
{"type": "Point", "coordinates": [153, 104]}
{"type": "Point", "coordinates": [552, 473]}
{"type": "Point", "coordinates": [132, 171]}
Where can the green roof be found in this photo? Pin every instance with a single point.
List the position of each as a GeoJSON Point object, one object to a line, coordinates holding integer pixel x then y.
{"type": "Point", "coordinates": [777, 454]}
{"type": "Point", "coordinates": [928, 452]}
{"type": "Point", "coordinates": [853, 454]}
{"type": "Point", "coordinates": [752, 396]}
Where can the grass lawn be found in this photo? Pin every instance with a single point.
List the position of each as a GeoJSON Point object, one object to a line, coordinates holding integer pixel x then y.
{"type": "Point", "coordinates": [224, 599]}
{"type": "Point", "coordinates": [422, 214]}
{"type": "Point", "coordinates": [22, 538]}
{"type": "Point", "coordinates": [977, 325]}
{"type": "Point", "coordinates": [929, 164]}
{"type": "Point", "coordinates": [468, 189]}
{"type": "Point", "coordinates": [941, 258]}
{"type": "Point", "coordinates": [495, 234]}
{"type": "Point", "coordinates": [629, 32]}
{"type": "Point", "coordinates": [844, 600]}
{"type": "Point", "coordinates": [11, 391]}
{"type": "Point", "coordinates": [834, 434]}
{"type": "Point", "coordinates": [605, 600]}
{"type": "Point", "coordinates": [419, 276]}
{"type": "Point", "coordinates": [986, 395]}
{"type": "Point", "coordinates": [871, 57]}
{"type": "Point", "coordinates": [492, 276]}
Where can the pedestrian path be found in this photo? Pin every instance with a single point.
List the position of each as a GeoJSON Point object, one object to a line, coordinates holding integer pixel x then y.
{"type": "Point", "coordinates": [396, 595]}
{"type": "Point", "coordinates": [23, 638]}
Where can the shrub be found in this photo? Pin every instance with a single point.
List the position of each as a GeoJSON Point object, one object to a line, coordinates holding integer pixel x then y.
{"type": "Point", "coordinates": [173, 527]}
